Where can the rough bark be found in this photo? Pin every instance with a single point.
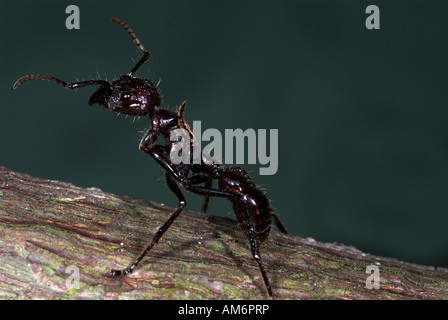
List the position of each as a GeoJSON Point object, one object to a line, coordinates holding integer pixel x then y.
{"type": "Point", "coordinates": [49, 230]}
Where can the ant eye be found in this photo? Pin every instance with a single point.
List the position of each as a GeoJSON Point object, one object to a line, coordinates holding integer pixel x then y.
{"type": "Point", "coordinates": [126, 95]}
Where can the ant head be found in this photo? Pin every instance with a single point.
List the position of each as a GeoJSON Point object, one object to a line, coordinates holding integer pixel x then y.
{"type": "Point", "coordinates": [127, 95]}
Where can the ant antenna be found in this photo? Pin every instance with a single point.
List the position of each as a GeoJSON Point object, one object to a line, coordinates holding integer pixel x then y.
{"type": "Point", "coordinates": [74, 85]}
{"type": "Point", "coordinates": [137, 42]}
{"type": "Point", "coordinates": [69, 86]}
{"type": "Point", "coordinates": [28, 77]}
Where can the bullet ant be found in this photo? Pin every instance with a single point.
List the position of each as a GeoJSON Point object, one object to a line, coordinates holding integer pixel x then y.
{"type": "Point", "coordinates": [139, 97]}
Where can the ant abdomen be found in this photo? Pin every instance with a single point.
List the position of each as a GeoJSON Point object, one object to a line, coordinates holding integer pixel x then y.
{"type": "Point", "coordinates": [252, 206]}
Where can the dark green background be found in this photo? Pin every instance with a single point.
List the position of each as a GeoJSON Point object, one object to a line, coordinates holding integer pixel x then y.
{"type": "Point", "coordinates": [362, 115]}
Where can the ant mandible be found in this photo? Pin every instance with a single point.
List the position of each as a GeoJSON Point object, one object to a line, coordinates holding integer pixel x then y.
{"type": "Point", "coordinates": [139, 97]}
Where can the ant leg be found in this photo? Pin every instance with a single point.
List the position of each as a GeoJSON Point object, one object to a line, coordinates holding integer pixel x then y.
{"type": "Point", "coordinates": [160, 232]}
{"type": "Point", "coordinates": [256, 253]}
{"type": "Point", "coordinates": [208, 185]}
{"type": "Point", "coordinates": [147, 145]}
{"type": "Point", "coordinates": [280, 225]}
{"type": "Point", "coordinates": [210, 192]}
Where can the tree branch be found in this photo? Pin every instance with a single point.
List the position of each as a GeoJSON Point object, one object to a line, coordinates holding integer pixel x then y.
{"type": "Point", "coordinates": [49, 230]}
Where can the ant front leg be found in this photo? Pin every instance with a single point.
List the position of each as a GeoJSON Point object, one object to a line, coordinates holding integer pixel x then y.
{"type": "Point", "coordinates": [159, 154]}
{"type": "Point", "coordinates": [161, 231]}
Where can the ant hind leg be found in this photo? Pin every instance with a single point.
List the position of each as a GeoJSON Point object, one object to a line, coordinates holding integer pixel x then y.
{"type": "Point", "coordinates": [280, 225]}
{"type": "Point", "coordinates": [256, 253]}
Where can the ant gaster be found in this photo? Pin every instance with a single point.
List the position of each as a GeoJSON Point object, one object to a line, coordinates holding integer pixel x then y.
{"type": "Point", "coordinates": [139, 97]}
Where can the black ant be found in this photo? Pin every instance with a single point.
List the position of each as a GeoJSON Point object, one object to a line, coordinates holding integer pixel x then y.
{"type": "Point", "coordinates": [139, 97]}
